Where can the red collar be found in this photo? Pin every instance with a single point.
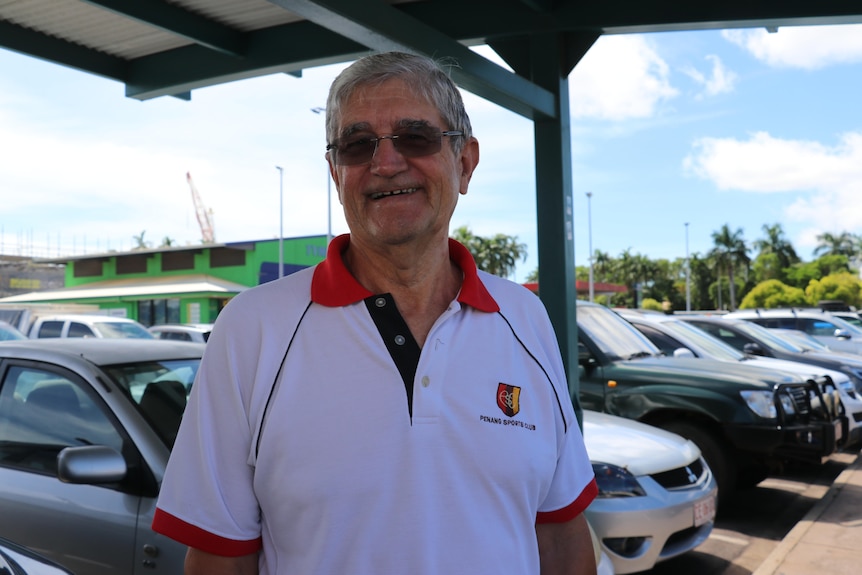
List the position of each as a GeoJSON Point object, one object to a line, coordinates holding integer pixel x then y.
{"type": "Point", "coordinates": [334, 286]}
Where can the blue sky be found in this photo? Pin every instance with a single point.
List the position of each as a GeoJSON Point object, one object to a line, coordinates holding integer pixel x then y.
{"type": "Point", "coordinates": [738, 127]}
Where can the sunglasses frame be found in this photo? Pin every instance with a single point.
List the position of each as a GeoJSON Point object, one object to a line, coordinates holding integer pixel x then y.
{"type": "Point", "coordinates": [434, 137]}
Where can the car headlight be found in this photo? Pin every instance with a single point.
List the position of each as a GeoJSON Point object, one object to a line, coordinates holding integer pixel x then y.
{"type": "Point", "coordinates": [762, 403]}
{"type": "Point", "coordinates": [614, 481]}
{"type": "Point", "coordinates": [856, 375]}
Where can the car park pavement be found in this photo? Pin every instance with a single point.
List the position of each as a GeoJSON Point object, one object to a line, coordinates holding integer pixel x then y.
{"type": "Point", "coordinates": [827, 539]}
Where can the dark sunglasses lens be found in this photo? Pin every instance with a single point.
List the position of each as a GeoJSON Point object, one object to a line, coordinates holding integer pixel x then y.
{"type": "Point", "coordinates": [354, 152]}
{"type": "Point", "coordinates": [413, 144]}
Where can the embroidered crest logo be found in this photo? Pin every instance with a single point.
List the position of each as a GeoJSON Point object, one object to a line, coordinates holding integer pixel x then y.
{"type": "Point", "coordinates": [508, 399]}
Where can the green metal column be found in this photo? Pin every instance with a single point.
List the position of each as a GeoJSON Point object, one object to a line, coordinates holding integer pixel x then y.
{"type": "Point", "coordinates": [554, 202]}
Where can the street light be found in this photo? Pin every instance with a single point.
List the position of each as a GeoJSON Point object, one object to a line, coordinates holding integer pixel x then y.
{"type": "Point", "coordinates": [590, 235]}
{"type": "Point", "coordinates": [320, 110]}
{"type": "Point", "coordinates": [687, 273]}
{"type": "Point", "coordinates": [280, 221]}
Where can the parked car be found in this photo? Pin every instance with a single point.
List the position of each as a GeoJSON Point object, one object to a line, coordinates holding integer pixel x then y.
{"type": "Point", "coordinates": [86, 427]}
{"type": "Point", "coordinates": [657, 495]}
{"type": "Point", "coordinates": [81, 325]}
{"type": "Point", "coordinates": [199, 332]}
{"type": "Point", "coordinates": [10, 332]}
{"type": "Point", "coordinates": [795, 345]}
{"type": "Point", "coordinates": [18, 560]}
{"type": "Point", "coordinates": [675, 335]}
{"type": "Point", "coordinates": [833, 331]}
{"type": "Point", "coordinates": [742, 418]}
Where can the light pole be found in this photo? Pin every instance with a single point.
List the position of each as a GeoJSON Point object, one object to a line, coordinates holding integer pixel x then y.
{"type": "Point", "coordinates": [687, 273]}
{"type": "Point", "coordinates": [320, 110]}
{"type": "Point", "coordinates": [590, 235]}
{"type": "Point", "coordinates": [280, 221]}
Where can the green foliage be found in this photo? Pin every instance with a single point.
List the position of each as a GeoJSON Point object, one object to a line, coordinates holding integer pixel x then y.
{"type": "Point", "coordinates": [774, 293]}
{"type": "Point", "coordinates": [800, 275]}
{"type": "Point", "coordinates": [496, 255]}
{"type": "Point", "coordinates": [840, 286]}
{"type": "Point", "coordinates": [651, 304]}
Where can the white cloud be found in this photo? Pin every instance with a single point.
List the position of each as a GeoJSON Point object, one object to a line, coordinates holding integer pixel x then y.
{"type": "Point", "coordinates": [721, 79]}
{"type": "Point", "coordinates": [806, 47]}
{"type": "Point", "coordinates": [825, 179]}
{"type": "Point", "coordinates": [620, 77]}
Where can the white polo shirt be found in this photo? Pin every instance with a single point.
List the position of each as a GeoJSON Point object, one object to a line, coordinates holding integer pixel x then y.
{"type": "Point", "coordinates": [320, 432]}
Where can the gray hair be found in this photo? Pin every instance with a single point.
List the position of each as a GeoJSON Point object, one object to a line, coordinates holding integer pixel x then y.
{"type": "Point", "coordinates": [425, 76]}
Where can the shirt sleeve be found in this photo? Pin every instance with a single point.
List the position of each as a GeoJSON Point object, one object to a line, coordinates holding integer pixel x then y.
{"type": "Point", "coordinates": [207, 498]}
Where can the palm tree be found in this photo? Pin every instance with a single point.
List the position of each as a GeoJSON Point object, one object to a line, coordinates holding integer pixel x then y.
{"type": "Point", "coordinates": [730, 253]}
{"type": "Point", "coordinates": [776, 254]}
{"type": "Point", "coordinates": [843, 244]}
{"type": "Point", "coordinates": [496, 255]}
{"type": "Point", "coordinates": [776, 243]}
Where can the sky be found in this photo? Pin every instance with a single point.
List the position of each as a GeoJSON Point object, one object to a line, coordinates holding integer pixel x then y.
{"type": "Point", "coordinates": [674, 135]}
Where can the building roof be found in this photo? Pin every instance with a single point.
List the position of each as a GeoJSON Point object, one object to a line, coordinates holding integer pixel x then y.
{"type": "Point", "coordinates": [139, 288]}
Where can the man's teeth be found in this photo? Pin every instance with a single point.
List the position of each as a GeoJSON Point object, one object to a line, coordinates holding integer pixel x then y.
{"type": "Point", "coordinates": [379, 195]}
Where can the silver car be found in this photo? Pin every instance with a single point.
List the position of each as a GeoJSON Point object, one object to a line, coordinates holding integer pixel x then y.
{"type": "Point", "coordinates": [86, 427]}
{"type": "Point", "coordinates": [657, 496]}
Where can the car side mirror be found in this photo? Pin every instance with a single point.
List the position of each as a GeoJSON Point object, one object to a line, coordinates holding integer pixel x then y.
{"type": "Point", "coordinates": [683, 352]}
{"type": "Point", "coordinates": [584, 355]}
{"type": "Point", "coordinates": [753, 349]}
{"type": "Point", "coordinates": [841, 334]}
{"type": "Point", "coordinates": [91, 464]}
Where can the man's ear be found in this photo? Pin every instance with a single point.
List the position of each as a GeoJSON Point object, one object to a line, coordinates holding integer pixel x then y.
{"type": "Point", "coordinates": [469, 160]}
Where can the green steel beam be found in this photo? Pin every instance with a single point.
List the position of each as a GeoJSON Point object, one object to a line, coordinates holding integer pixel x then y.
{"type": "Point", "coordinates": [44, 47]}
{"type": "Point", "coordinates": [382, 27]}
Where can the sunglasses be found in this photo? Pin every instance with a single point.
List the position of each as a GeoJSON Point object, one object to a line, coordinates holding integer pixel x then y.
{"type": "Point", "coordinates": [413, 142]}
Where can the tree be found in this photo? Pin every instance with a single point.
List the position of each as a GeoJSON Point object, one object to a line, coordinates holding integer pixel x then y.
{"type": "Point", "coordinates": [496, 255]}
{"type": "Point", "coordinates": [776, 254]}
{"type": "Point", "coordinates": [140, 244]}
{"type": "Point", "coordinates": [730, 253]}
{"type": "Point", "coordinates": [773, 293]}
{"type": "Point", "coordinates": [843, 244]}
{"type": "Point", "coordinates": [839, 286]}
{"type": "Point", "coordinates": [801, 274]}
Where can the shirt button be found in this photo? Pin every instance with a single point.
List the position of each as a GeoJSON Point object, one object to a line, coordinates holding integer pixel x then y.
{"type": "Point", "coordinates": [426, 381]}
{"type": "Point", "coordinates": [399, 339]}
{"type": "Point", "coordinates": [380, 302]}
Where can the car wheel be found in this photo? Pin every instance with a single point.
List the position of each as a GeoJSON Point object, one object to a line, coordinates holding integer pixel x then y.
{"type": "Point", "coordinates": [716, 455]}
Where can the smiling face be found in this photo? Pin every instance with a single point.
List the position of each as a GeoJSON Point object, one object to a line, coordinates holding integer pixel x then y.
{"type": "Point", "coordinates": [393, 199]}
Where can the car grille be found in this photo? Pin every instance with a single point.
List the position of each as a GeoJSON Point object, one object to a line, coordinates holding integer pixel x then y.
{"type": "Point", "coordinates": [799, 396]}
{"type": "Point", "coordinates": [681, 477]}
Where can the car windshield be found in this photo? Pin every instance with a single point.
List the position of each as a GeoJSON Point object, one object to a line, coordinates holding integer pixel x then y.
{"type": "Point", "coordinates": [802, 340]}
{"type": "Point", "coordinates": [774, 339]}
{"type": "Point", "coordinates": [160, 390]}
{"type": "Point", "coordinates": [615, 337]}
{"type": "Point", "coordinates": [8, 333]}
{"type": "Point", "coordinates": [122, 330]}
{"type": "Point", "coordinates": [696, 337]}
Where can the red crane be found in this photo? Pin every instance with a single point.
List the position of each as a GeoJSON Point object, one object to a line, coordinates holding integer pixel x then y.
{"type": "Point", "coordinates": [203, 214]}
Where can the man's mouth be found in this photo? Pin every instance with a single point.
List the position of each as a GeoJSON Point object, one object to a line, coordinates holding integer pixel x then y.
{"type": "Point", "coordinates": [380, 195]}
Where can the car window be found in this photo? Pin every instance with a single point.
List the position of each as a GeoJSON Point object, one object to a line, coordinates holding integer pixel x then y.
{"type": "Point", "coordinates": [176, 335]}
{"type": "Point", "coordinates": [817, 326]}
{"type": "Point", "coordinates": [123, 330]}
{"type": "Point", "coordinates": [42, 412]}
{"type": "Point", "coordinates": [77, 329]}
{"type": "Point", "coordinates": [662, 341]}
{"type": "Point", "coordinates": [50, 329]}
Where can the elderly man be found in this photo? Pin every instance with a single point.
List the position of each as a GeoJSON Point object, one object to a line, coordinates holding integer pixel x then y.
{"type": "Point", "coordinates": [392, 410]}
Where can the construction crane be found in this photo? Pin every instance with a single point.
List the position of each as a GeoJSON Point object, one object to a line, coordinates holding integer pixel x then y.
{"type": "Point", "coordinates": [203, 214]}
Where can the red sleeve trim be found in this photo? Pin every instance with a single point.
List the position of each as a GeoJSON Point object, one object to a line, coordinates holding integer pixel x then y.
{"type": "Point", "coordinates": [188, 534]}
{"type": "Point", "coordinates": [572, 510]}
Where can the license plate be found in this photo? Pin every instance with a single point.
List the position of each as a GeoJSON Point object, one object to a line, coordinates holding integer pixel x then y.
{"type": "Point", "coordinates": [704, 511]}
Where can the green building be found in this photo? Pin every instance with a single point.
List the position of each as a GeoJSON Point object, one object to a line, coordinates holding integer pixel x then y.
{"type": "Point", "coordinates": [188, 284]}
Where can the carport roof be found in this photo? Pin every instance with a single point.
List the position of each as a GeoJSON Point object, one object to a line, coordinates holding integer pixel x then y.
{"type": "Point", "coordinates": [171, 47]}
